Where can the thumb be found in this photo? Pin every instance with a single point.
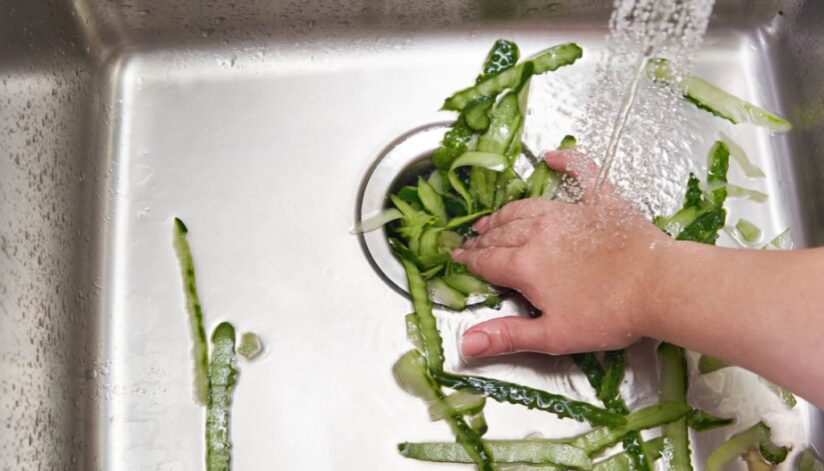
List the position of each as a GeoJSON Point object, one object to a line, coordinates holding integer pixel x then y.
{"type": "Point", "coordinates": [505, 335]}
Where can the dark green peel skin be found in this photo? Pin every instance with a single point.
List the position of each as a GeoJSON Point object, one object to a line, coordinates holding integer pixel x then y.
{"type": "Point", "coordinates": [454, 143]}
{"type": "Point", "coordinates": [193, 307]}
{"type": "Point", "coordinates": [606, 383]}
{"type": "Point", "coordinates": [703, 214]}
{"type": "Point", "coordinates": [222, 375]}
{"type": "Point", "coordinates": [530, 398]}
{"type": "Point", "coordinates": [773, 453]}
{"type": "Point", "coordinates": [700, 421]}
{"type": "Point", "coordinates": [756, 436]}
{"type": "Point", "coordinates": [599, 439]}
{"type": "Point", "coordinates": [545, 61]}
{"type": "Point", "coordinates": [615, 363]}
{"type": "Point", "coordinates": [502, 57]}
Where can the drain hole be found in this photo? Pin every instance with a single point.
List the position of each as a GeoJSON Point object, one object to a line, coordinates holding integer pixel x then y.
{"type": "Point", "coordinates": [399, 164]}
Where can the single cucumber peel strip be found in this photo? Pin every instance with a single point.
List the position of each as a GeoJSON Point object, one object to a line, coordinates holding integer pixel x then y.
{"type": "Point", "coordinates": [651, 416]}
{"type": "Point", "coordinates": [531, 398]}
{"type": "Point", "coordinates": [200, 352]}
{"type": "Point", "coordinates": [221, 381]}
{"type": "Point", "coordinates": [545, 61]}
{"type": "Point", "coordinates": [757, 435]}
{"type": "Point", "coordinates": [673, 364]}
{"type": "Point", "coordinates": [504, 451]}
{"type": "Point", "coordinates": [708, 97]}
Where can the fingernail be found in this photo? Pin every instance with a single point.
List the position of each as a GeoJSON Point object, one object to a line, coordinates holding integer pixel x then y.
{"type": "Point", "coordinates": [475, 343]}
{"type": "Point", "coordinates": [480, 223]}
{"type": "Point", "coordinates": [470, 242]}
{"type": "Point", "coordinates": [457, 252]}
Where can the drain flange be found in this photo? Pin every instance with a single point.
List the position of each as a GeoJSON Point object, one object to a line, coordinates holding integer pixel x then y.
{"type": "Point", "coordinates": [400, 161]}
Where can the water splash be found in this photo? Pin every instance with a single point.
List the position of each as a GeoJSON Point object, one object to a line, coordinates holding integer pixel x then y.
{"type": "Point", "coordinates": [646, 155]}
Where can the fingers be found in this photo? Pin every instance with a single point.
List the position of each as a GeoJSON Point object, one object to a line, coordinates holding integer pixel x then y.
{"type": "Point", "coordinates": [577, 165]}
{"type": "Point", "coordinates": [513, 234]}
{"type": "Point", "coordinates": [507, 335]}
{"type": "Point", "coordinates": [492, 264]}
{"type": "Point", "coordinates": [520, 209]}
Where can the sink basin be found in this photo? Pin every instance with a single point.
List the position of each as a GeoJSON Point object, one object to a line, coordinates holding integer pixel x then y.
{"type": "Point", "coordinates": [257, 123]}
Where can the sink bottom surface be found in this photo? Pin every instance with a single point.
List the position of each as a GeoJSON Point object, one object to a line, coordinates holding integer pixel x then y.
{"type": "Point", "coordinates": [261, 152]}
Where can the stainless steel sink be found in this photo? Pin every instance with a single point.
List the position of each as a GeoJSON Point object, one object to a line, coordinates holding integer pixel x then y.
{"type": "Point", "coordinates": [256, 122]}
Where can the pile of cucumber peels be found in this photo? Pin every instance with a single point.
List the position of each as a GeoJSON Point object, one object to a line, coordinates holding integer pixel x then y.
{"type": "Point", "coordinates": [473, 175]}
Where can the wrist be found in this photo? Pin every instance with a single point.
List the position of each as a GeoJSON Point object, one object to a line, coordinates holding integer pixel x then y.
{"type": "Point", "coordinates": [672, 268]}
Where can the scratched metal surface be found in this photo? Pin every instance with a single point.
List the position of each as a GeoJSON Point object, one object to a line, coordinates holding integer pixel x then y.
{"type": "Point", "coordinates": [257, 123]}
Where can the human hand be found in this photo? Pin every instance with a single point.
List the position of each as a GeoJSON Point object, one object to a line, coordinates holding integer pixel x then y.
{"type": "Point", "coordinates": [589, 267]}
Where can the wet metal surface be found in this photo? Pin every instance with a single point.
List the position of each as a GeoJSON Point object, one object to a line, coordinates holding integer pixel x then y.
{"type": "Point", "coordinates": [256, 123]}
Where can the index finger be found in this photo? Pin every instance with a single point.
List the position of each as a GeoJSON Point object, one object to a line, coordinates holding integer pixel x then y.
{"type": "Point", "coordinates": [520, 209]}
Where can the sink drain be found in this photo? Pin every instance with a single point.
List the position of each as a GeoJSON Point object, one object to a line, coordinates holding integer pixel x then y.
{"type": "Point", "coordinates": [399, 163]}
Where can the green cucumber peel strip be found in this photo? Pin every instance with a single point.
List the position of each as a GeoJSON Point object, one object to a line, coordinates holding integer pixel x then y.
{"type": "Point", "coordinates": [739, 443]}
{"type": "Point", "coordinates": [530, 398]}
{"type": "Point", "coordinates": [428, 328]}
{"type": "Point", "coordinates": [652, 416]}
{"type": "Point", "coordinates": [504, 451]}
{"type": "Point", "coordinates": [807, 461]}
{"type": "Point", "coordinates": [615, 363]}
{"type": "Point", "coordinates": [413, 330]}
{"type": "Point", "coordinates": [413, 376]}
{"type": "Point", "coordinates": [460, 402]}
{"type": "Point", "coordinates": [674, 383]}
{"type": "Point", "coordinates": [221, 382]}
{"type": "Point", "coordinates": [467, 284]}
{"type": "Point", "coordinates": [719, 164]}
{"type": "Point", "coordinates": [455, 142]}
{"type": "Point", "coordinates": [703, 214]}
{"type": "Point", "coordinates": [701, 421]}
{"type": "Point", "coordinates": [503, 56]}
{"type": "Point", "coordinates": [617, 462]}
{"type": "Point", "coordinates": [200, 353]}
{"type": "Point", "coordinates": [735, 191]}
{"type": "Point", "coordinates": [377, 220]}
{"type": "Point", "coordinates": [476, 114]}
{"type": "Point", "coordinates": [444, 294]}
{"type": "Point", "coordinates": [478, 423]}
{"type": "Point", "coordinates": [783, 241]}
{"type": "Point", "coordinates": [773, 453]}
{"type": "Point", "coordinates": [784, 394]}
{"type": "Point", "coordinates": [606, 383]}
{"type": "Point", "coordinates": [707, 364]}
{"type": "Point", "coordinates": [545, 61]}
{"type": "Point", "coordinates": [459, 221]}
{"type": "Point", "coordinates": [442, 452]}
{"type": "Point", "coordinates": [489, 160]}
{"type": "Point", "coordinates": [749, 231]}
{"type": "Point", "coordinates": [708, 97]}
{"type": "Point", "coordinates": [740, 157]}
{"type": "Point", "coordinates": [504, 127]}
{"type": "Point", "coordinates": [431, 200]}
{"type": "Point", "coordinates": [568, 142]}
